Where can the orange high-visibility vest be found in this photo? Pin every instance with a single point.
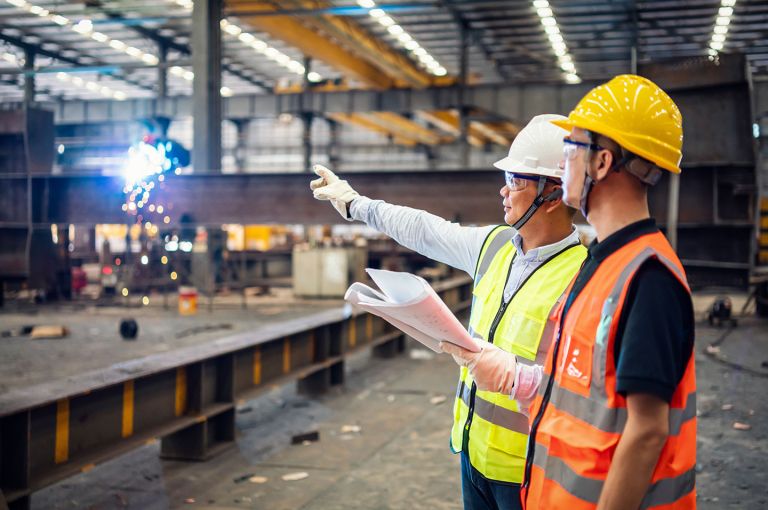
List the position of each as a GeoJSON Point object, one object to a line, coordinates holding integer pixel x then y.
{"type": "Point", "coordinates": [578, 417]}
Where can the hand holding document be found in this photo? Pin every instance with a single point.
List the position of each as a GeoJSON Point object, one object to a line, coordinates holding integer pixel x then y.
{"type": "Point", "coordinates": [409, 303]}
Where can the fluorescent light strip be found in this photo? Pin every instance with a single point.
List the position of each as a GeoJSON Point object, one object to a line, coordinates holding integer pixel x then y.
{"type": "Point", "coordinates": [77, 81]}
{"type": "Point", "coordinates": [559, 48]}
{"type": "Point", "coordinates": [404, 38]}
{"type": "Point", "coordinates": [720, 30]}
{"type": "Point", "coordinates": [92, 86]}
{"type": "Point", "coordinates": [263, 48]}
{"type": "Point", "coordinates": [84, 27]}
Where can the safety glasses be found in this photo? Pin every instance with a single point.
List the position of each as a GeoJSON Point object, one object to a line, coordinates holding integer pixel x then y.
{"type": "Point", "coordinates": [571, 147]}
{"type": "Point", "coordinates": [518, 182]}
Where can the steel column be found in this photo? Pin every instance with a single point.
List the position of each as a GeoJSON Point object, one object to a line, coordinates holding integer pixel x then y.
{"type": "Point", "coordinates": [673, 197]}
{"type": "Point", "coordinates": [206, 96]}
{"type": "Point", "coordinates": [306, 117]}
{"type": "Point", "coordinates": [162, 71]}
{"type": "Point", "coordinates": [463, 109]}
{"type": "Point", "coordinates": [29, 77]}
{"type": "Point", "coordinates": [241, 144]}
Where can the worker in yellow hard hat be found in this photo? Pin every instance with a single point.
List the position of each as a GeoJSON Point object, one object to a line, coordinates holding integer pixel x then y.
{"type": "Point", "coordinates": [520, 270]}
{"type": "Point", "coordinates": [613, 419]}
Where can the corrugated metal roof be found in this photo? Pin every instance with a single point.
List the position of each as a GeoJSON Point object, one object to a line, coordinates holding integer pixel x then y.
{"type": "Point", "coordinates": [508, 41]}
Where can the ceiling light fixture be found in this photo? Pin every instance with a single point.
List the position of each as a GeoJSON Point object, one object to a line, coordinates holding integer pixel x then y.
{"type": "Point", "coordinates": [559, 48]}
{"type": "Point", "coordinates": [403, 38]}
{"type": "Point", "coordinates": [720, 30]}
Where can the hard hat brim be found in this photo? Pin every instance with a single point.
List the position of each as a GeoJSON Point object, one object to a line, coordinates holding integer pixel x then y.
{"type": "Point", "coordinates": [568, 125]}
{"type": "Point", "coordinates": [512, 165]}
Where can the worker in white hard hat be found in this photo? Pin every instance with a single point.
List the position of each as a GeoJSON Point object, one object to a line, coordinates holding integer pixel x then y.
{"type": "Point", "coordinates": [520, 270]}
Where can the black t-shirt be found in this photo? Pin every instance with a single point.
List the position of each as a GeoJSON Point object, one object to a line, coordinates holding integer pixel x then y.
{"type": "Point", "coordinates": [654, 337]}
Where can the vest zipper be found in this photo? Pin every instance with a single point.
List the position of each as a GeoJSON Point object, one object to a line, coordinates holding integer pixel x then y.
{"type": "Point", "coordinates": [492, 333]}
{"type": "Point", "coordinates": [544, 403]}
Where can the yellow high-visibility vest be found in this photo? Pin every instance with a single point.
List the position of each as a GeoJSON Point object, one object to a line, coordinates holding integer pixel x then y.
{"type": "Point", "coordinates": [491, 427]}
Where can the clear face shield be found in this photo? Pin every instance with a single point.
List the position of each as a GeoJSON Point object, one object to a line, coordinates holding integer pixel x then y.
{"type": "Point", "coordinates": [577, 188]}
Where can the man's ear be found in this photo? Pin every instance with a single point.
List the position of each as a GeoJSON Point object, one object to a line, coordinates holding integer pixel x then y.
{"type": "Point", "coordinates": [553, 199]}
{"type": "Point", "coordinates": [603, 161]}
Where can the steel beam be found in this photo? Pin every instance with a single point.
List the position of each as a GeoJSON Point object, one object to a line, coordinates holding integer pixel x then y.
{"type": "Point", "coordinates": [310, 42]}
{"type": "Point", "coordinates": [448, 121]}
{"type": "Point", "coordinates": [406, 128]}
{"type": "Point", "coordinates": [364, 121]}
{"type": "Point", "coordinates": [469, 196]}
{"type": "Point", "coordinates": [479, 133]}
{"type": "Point", "coordinates": [206, 63]}
{"type": "Point", "coordinates": [375, 51]}
{"type": "Point", "coordinates": [516, 102]}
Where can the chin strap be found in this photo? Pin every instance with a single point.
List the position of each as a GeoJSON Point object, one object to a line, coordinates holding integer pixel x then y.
{"type": "Point", "coordinates": [588, 183]}
{"type": "Point", "coordinates": [537, 202]}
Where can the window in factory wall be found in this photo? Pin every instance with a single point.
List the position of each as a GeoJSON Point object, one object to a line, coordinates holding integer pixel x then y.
{"type": "Point", "coordinates": [115, 235]}
{"type": "Point", "coordinates": [255, 237]}
{"type": "Point", "coordinates": [235, 236]}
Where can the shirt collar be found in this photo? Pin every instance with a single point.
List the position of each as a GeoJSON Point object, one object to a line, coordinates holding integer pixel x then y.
{"type": "Point", "coordinates": [621, 237]}
{"type": "Point", "coordinates": [543, 252]}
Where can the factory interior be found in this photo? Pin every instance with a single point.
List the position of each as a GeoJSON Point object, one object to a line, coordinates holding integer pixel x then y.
{"type": "Point", "coordinates": [173, 325]}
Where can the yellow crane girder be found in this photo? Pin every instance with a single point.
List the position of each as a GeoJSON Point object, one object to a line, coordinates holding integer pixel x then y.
{"type": "Point", "coordinates": [479, 133]}
{"type": "Point", "coordinates": [339, 42]}
{"type": "Point", "coordinates": [359, 120]}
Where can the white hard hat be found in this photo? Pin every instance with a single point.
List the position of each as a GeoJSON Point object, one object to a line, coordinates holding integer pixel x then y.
{"type": "Point", "coordinates": [537, 149]}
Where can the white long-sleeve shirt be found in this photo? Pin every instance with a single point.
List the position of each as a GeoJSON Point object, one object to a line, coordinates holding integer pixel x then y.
{"type": "Point", "coordinates": [449, 243]}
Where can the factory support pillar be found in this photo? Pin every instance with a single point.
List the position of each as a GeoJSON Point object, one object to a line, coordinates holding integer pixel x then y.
{"type": "Point", "coordinates": [206, 95]}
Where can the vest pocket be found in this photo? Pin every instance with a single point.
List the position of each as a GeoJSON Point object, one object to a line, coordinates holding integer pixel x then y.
{"type": "Point", "coordinates": [575, 364]}
{"type": "Point", "coordinates": [484, 307]}
{"type": "Point", "coordinates": [520, 334]}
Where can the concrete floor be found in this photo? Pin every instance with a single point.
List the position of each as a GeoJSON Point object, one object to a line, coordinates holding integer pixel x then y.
{"type": "Point", "coordinates": [400, 457]}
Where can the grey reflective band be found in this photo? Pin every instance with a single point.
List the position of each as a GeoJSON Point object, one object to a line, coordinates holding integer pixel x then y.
{"type": "Point", "coordinates": [503, 237]}
{"type": "Point", "coordinates": [663, 492]}
{"type": "Point", "coordinates": [613, 419]}
{"type": "Point", "coordinates": [668, 490]}
{"type": "Point", "coordinates": [608, 313]}
{"type": "Point", "coordinates": [558, 471]}
{"type": "Point", "coordinates": [546, 335]}
{"type": "Point", "coordinates": [497, 415]}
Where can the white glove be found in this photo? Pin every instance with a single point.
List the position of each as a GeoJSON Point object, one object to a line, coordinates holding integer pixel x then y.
{"type": "Point", "coordinates": [330, 187]}
{"type": "Point", "coordinates": [527, 382]}
{"type": "Point", "coordinates": [493, 369]}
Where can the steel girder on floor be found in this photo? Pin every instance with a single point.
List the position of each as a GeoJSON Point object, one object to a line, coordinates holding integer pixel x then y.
{"type": "Point", "coordinates": [186, 397]}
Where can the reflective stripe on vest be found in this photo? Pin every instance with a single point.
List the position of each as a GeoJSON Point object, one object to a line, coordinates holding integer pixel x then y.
{"type": "Point", "coordinates": [490, 427]}
{"type": "Point", "coordinates": [582, 422]}
{"type": "Point", "coordinates": [663, 492]}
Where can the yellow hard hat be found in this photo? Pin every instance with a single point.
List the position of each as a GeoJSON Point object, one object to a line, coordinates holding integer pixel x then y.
{"type": "Point", "coordinates": [637, 114]}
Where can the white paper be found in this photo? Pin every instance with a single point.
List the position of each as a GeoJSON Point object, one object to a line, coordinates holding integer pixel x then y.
{"type": "Point", "coordinates": [409, 303]}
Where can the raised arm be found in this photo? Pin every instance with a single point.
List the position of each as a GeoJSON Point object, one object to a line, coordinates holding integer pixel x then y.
{"type": "Point", "coordinates": [425, 233]}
